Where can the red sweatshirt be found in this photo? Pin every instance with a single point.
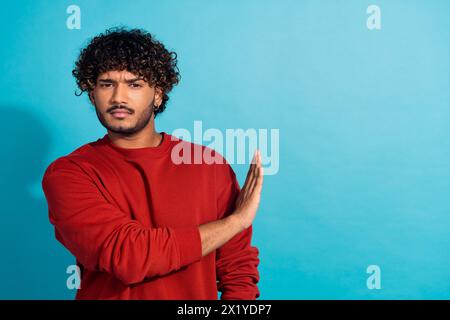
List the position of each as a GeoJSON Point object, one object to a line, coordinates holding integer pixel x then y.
{"type": "Point", "coordinates": [131, 217]}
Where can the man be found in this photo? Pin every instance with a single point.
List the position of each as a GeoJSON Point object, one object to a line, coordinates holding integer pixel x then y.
{"type": "Point", "coordinates": [141, 224]}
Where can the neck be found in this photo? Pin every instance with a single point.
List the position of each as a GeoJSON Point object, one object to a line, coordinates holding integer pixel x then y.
{"type": "Point", "coordinates": [147, 137]}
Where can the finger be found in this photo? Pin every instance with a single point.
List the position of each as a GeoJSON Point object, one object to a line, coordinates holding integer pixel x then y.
{"type": "Point", "coordinates": [259, 178]}
{"type": "Point", "coordinates": [253, 182]}
{"type": "Point", "coordinates": [259, 182]}
{"type": "Point", "coordinates": [250, 173]}
{"type": "Point", "coordinates": [255, 156]}
{"type": "Point", "coordinates": [254, 169]}
{"type": "Point", "coordinates": [249, 187]}
{"type": "Point", "coordinates": [250, 169]}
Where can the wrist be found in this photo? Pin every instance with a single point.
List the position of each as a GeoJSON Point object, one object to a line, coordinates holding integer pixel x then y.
{"type": "Point", "coordinates": [236, 222]}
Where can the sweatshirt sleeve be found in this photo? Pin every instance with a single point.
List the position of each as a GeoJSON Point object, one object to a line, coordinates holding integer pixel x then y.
{"type": "Point", "coordinates": [104, 238]}
{"type": "Point", "coordinates": [236, 260]}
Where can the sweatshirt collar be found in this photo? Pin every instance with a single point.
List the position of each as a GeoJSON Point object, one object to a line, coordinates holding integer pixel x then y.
{"type": "Point", "coordinates": [129, 153]}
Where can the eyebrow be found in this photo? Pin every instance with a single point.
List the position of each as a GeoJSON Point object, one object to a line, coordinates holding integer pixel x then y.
{"type": "Point", "coordinates": [109, 80]}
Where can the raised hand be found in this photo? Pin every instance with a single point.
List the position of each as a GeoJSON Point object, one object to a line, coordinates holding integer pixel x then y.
{"type": "Point", "coordinates": [248, 200]}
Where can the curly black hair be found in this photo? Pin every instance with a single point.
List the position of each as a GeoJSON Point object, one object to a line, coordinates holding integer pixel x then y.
{"type": "Point", "coordinates": [133, 50]}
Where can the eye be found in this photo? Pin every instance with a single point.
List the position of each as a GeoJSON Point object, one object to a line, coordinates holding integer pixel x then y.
{"type": "Point", "coordinates": [135, 85]}
{"type": "Point", "coordinates": [105, 85]}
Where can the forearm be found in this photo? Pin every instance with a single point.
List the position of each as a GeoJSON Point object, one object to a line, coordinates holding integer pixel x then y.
{"type": "Point", "coordinates": [215, 234]}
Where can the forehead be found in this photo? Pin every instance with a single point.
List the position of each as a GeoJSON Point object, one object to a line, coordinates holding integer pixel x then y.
{"type": "Point", "coordinates": [118, 75]}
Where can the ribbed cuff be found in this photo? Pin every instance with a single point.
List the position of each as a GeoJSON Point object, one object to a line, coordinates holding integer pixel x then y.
{"type": "Point", "coordinates": [189, 244]}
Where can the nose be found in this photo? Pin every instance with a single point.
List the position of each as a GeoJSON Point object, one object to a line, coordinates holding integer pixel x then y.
{"type": "Point", "coordinates": [119, 95]}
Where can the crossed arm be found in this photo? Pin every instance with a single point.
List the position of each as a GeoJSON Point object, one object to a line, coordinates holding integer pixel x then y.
{"type": "Point", "coordinates": [103, 238]}
{"type": "Point", "coordinates": [244, 208]}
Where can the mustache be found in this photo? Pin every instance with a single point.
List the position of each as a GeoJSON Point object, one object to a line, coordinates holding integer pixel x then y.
{"type": "Point", "coordinates": [120, 107]}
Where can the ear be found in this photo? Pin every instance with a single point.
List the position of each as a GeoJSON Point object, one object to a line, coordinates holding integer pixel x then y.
{"type": "Point", "coordinates": [91, 97]}
{"type": "Point", "coordinates": [158, 96]}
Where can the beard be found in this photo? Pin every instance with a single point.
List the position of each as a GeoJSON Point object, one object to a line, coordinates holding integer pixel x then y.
{"type": "Point", "coordinates": [127, 129]}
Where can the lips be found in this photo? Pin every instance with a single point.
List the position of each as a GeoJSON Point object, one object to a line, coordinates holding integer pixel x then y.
{"type": "Point", "coordinates": [120, 113]}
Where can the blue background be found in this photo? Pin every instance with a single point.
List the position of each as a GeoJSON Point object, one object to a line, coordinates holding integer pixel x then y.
{"type": "Point", "coordinates": [364, 124]}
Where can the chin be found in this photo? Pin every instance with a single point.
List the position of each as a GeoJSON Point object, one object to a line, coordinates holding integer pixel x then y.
{"type": "Point", "coordinates": [122, 130]}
